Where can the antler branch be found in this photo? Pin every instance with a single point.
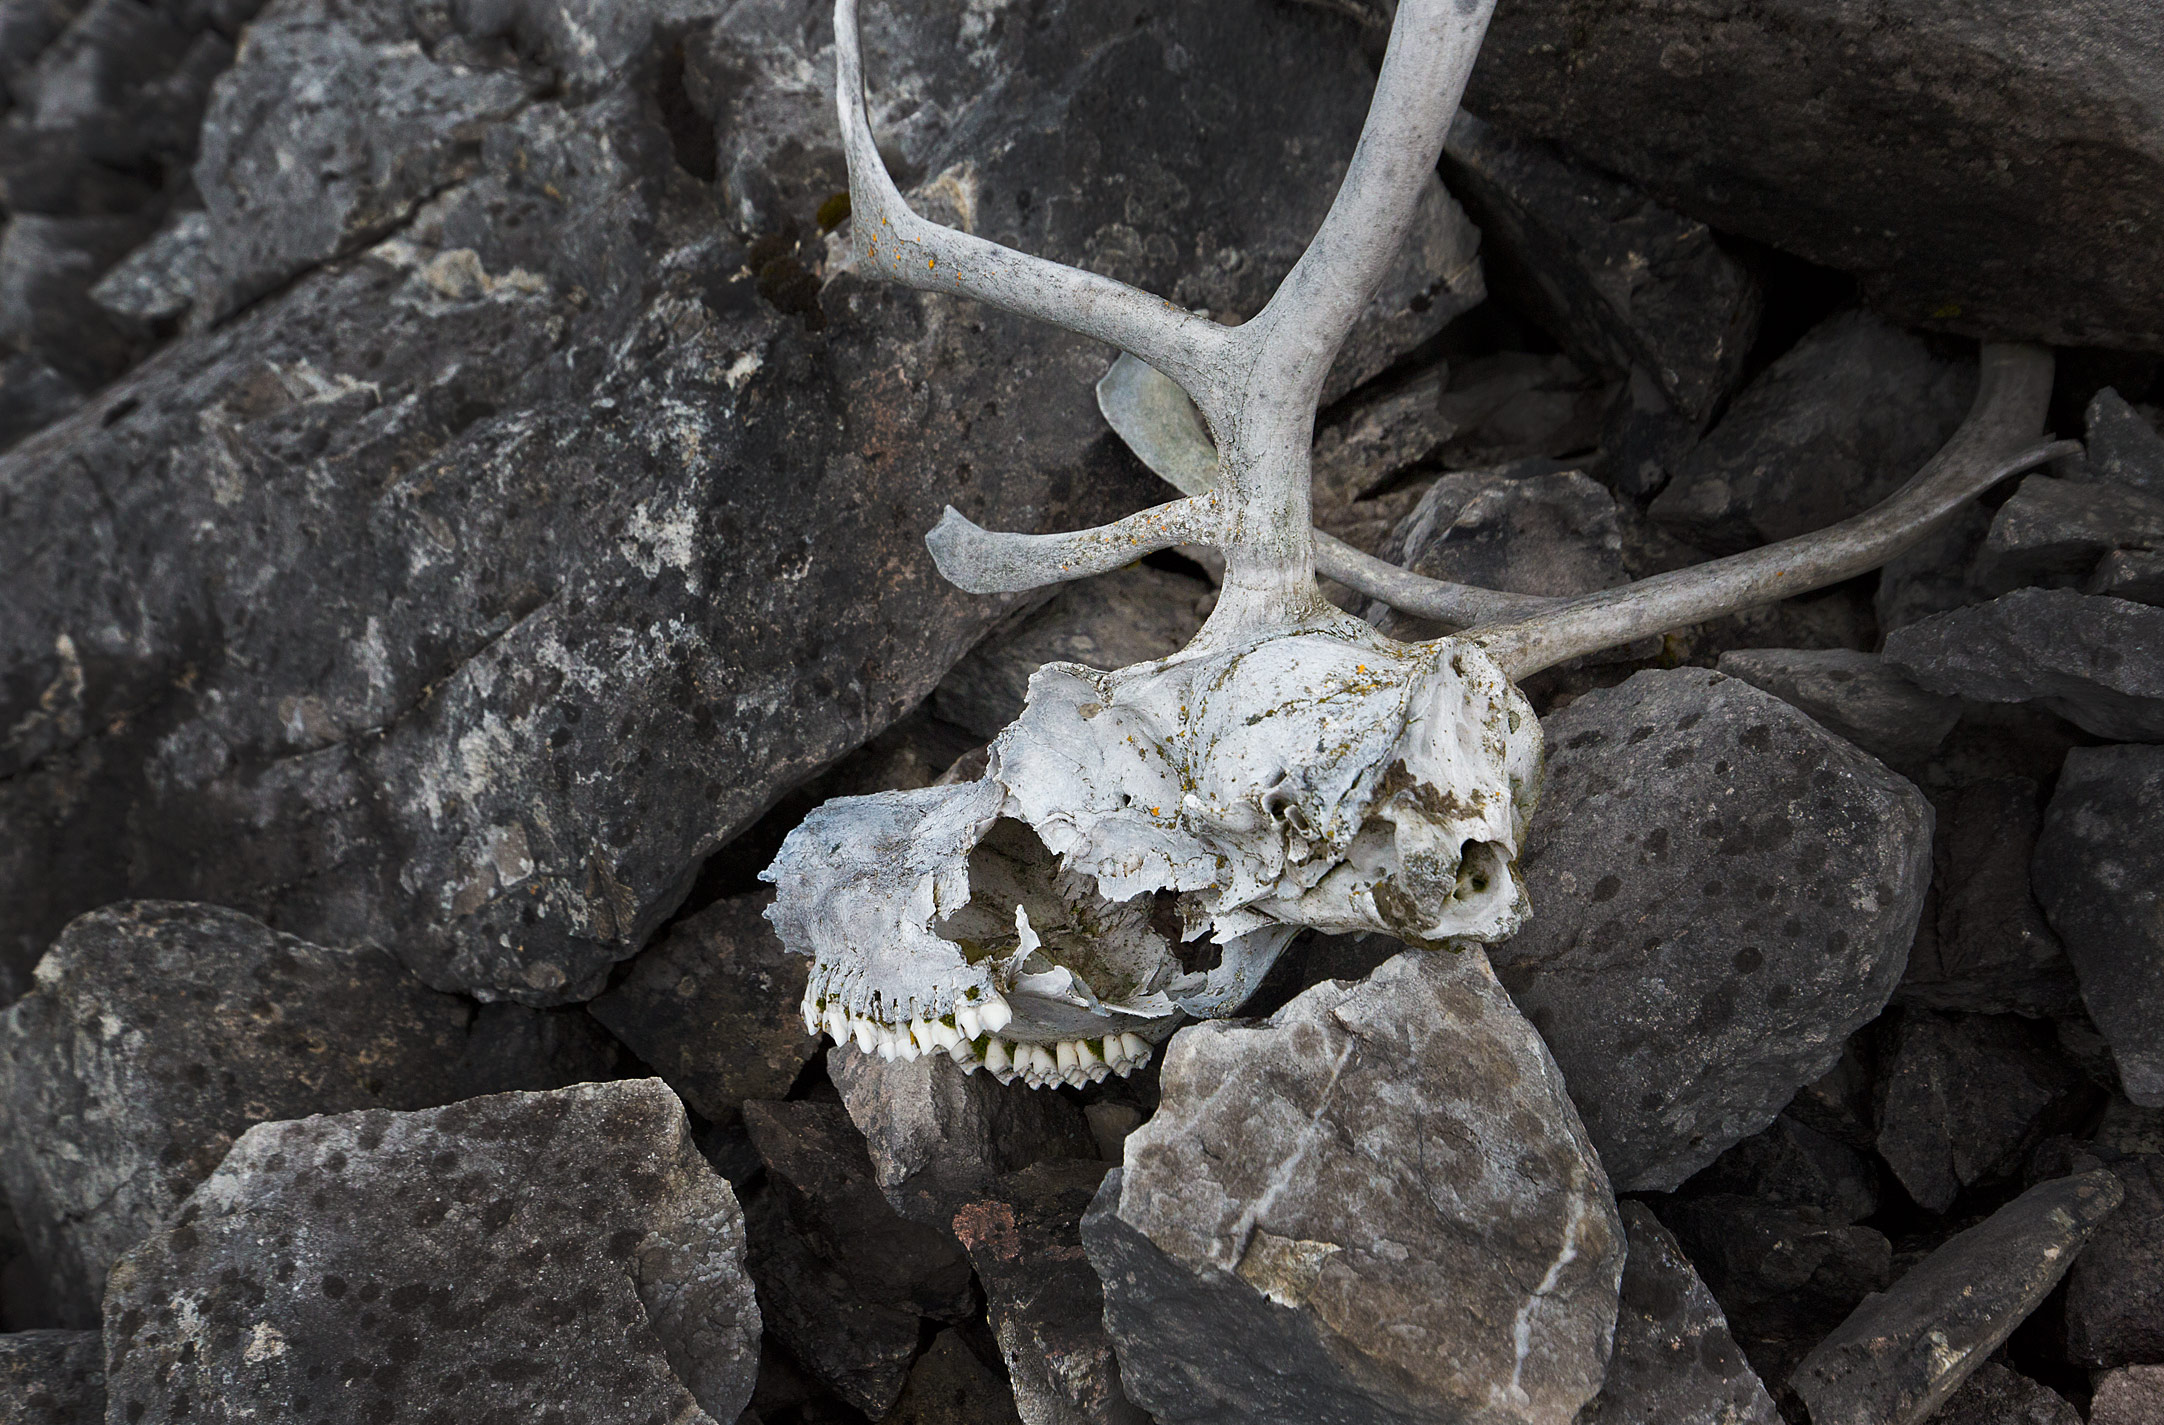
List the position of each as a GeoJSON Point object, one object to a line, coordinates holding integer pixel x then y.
{"type": "Point", "coordinates": [2011, 396]}
{"type": "Point", "coordinates": [985, 561]}
{"type": "Point", "coordinates": [902, 247]}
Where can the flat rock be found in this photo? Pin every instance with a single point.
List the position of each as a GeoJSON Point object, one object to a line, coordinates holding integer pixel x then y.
{"type": "Point", "coordinates": [2124, 448]}
{"type": "Point", "coordinates": [159, 1031]}
{"type": "Point", "coordinates": [2099, 872]}
{"type": "Point", "coordinates": [938, 1137]}
{"type": "Point", "coordinates": [1830, 429]}
{"type": "Point", "coordinates": [1995, 1395]}
{"type": "Point", "coordinates": [1773, 123]}
{"type": "Point", "coordinates": [2053, 527]}
{"type": "Point", "coordinates": [1674, 1359]}
{"type": "Point", "coordinates": [1901, 1353]}
{"type": "Point", "coordinates": [1968, 1097]}
{"type": "Point", "coordinates": [1611, 273]}
{"type": "Point", "coordinates": [351, 1267]}
{"type": "Point", "coordinates": [2132, 1395]}
{"type": "Point", "coordinates": [1790, 1164]}
{"type": "Point", "coordinates": [2136, 574]}
{"type": "Point", "coordinates": [1129, 616]}
{"type": "Point", "coordinates": [1853, 695]}
{"type": "Point", "coordinates": [1025, 1239]}
{"type": "Point", "coordinates": [2097, 662]}
{"type": "Point", "coordinates": [1722, 892]}
{"type": "Point", "coordinates": [2115, 1292]}
{"type": "Point", "coordinates": [707, 1006]}
{"type": "Point", "coordinates": [949, 1386]}
{"type": "Point", "coordinates": [1377, 1205]}
{"type": "Point", "coordinates": [52, 1378]}
{"type": "Point", "coordinates": [511, 564]}
{"type": "Point", "coordinates": [1984, 945]}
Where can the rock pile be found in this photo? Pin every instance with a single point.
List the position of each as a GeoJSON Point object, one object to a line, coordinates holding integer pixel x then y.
{"type": "Point", "coordinates": [460, 509]}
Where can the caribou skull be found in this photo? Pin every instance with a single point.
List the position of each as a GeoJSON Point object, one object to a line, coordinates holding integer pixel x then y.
{"type": "Point", "coordinates": [1145, 842]}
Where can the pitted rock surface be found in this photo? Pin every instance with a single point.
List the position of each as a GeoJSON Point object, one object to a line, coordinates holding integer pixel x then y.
{"type": "Point", "coordinates": [474, 637]}
{"type": "Point", "coordinates": [2096, 661]}
{"type": "Point", "coordinates": [1377, 1205]}
{"type": "Point", "coordinates": [52, 1378]}
{"type": "Point", "coordinates": [1998, 1396]}
{"type": "Point", "coordinates": [2115, 1293]}
{"type": "Point", "coordinates": [1722, 892]}
{"type": "Point", "coordinates": [1853, 695]}
{"type": "Point", "coordinates": [382, 1266]}
{"type": "Point", "coordinates": [159, 1031]}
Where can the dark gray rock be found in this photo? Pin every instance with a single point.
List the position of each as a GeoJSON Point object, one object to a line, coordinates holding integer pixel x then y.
{"type": "Point", "coordinates": [32, 396]}
{"type": "Point", "coordinates": [1515, 405]}
{"type": "Point", "coordinates": [2055, 527]}
{"type": "Point", "coordinates": [2100, 874]}
{"type": "Point", "coordinates": [1995, 1395]}
{"type": "Point", "coordinates": [509, 613]}
{"type": "Point", "coordinates": [159, 1031]}
{"type": "Point", "coordinates": [47, 267]}
{"type": "Point", "coordinates": [1932, 575]}
{"type": "Point", "coordinates": [1774, 122]}
{"type": "Point", "coordinates": [1967, 1099]}
{"type": "Point", "coordinates": [1901, 1353]}
{"type": "Point", "coordinates": [948, 1385]}
{"type": "Point", "coordinates": [353, 1267]}
{"type": "Point", "coordinates": [1047, 1305]}
{"type": "Point", "coordinates": [1722, 892]}
{"type": "Point", "coordinates": [2127, 1129]}
{"type": "Point", "coordinates": [1853, 695]}
{"type": "Point", "coordinates": [1983, 945]}
{"type": "Point", "coordinates": [2136, 574]}
{"type": "Point", "coordinates": [1437, 276]}
{"type": "Point", "coordinates": [859, 1350]}
{"type": "Point", "coordinates": [1377, 1205]}
{"type": "Point", "coordinates": [1613, 275]}
{"type": "Point", "coordinates": [1526, 532]}
{"type": "Point", "coordinates": [157, 282]}
{"type": "Point", "coordinates": [1674, 1359]}
{"type": "Point", "coordinates": [1792, 1165]}
{"type": "Point", "coordinates": [2097, 662]}
{"type": "Point", "coordinates": [1783, 1275]}
{"type": "Point", "coordinates": [938, 1137]}
{"type": "Point", "coordinates": [2115, 1292]}
{"type": "Point", "coordinates": [52, 1378]}
{"type": "Point", "coordinates": [2132, 1395]}
{"type": "Point", "coordinates": [1830, 429]}
{"type": "Point", "coordinates": [1129, 616]}
{"type": "Point", "coordinates": [708, 1006]}
{"type": "Point", "coordinates": [2123, 447]}
{"type": "Point", "coordinates": [1360, 456]}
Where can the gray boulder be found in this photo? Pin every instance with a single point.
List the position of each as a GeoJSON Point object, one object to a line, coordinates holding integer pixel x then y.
{"type": "Point", "coordinates": [1377, 1205]}
{"type": "Point", "coordinates": [1853, 695]}
{"type": "Point", "coordinates": [2131, 1395]}
{"type": "Point", "coordinates": [1775, 122]}
{"type": "Point", "coordinates": [1984, 945]}
{"type": "Point", "coordinates": [2115, 1292]}
{"type": "Point", "coordinates": [2124, 447]}
{"type": "Point", "coordinates": [2054, 527]}
{"type": "Point", "coordinates": [52, 1378]}
{"type": "Point", "coordinates": [158, 1032]}
{"type": "Point", "coordinates": [2097, 662]}
{"type": "Point", "coordinates": [32, 396]}
{"type": "Point", "coordinates": [2136, 574]}
{"type": "Point", "coordinates": [1364, 449]}
{"type": "Point", "coordinates": [1898, 1357]}
{"type": "Point", "coordinates": [1790, 1164]}
{"type": "Point", "coordinates": [1674, 1360]}
{"type": "Point", "coordinates": [366, 1266]}
{"type": "Point", "coordinates": [1830, 429]}
{"type": "Point", "coordinates": [2100, 874]}
{"type": "Point", "coordinates": [1722, 892]}
{"type": "Point", "coordinates": [1547, 532]}
{"type": "Point", "coordinates": [1995, 1395]}
{"type": "Point", "coordinates": [858, 1349]}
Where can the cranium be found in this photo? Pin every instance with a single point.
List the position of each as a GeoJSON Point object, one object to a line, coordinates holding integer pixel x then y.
{"type": "Point", "coordinates": [1145, 842]}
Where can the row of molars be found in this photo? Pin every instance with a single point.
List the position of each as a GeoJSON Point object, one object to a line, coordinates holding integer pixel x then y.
{"type": "Point", "coordinates": [971, 1039]}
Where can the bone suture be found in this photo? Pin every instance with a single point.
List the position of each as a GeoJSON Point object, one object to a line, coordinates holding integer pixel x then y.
{"type": "Point", "coordinates": [1291, 768]}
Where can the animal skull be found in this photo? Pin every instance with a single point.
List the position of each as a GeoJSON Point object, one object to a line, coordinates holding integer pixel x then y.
{"type": "Point", "coordinates": [1145, 842]}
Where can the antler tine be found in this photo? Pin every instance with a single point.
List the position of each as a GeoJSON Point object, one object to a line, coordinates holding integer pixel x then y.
{"type": "Point", "coordinates": [983, 561]}
{"type": "Point", "coordinates": [903, 247]}
{"type": "Point", "coordinates": [1995, 441]}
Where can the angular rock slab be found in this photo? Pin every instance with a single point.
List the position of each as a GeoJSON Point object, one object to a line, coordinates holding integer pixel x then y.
{"type": "Point", "coordinates": [52, 1378]}
{"type": "Point", "coordinates": [1997, 1396]}
{"type": "Point", "coordinates": [949, 1386]}
{"type": "Point", "coordinates": [1773, 121]}
{"type": "Point", "coordinates": [1722, 892]}
{"type": "Point", "coordinates": [2115, 1292]}
{"type": "Point", "coordinates": [2099, 871]}
{"type": "Point", "coordinates": [1674, 1360]}
{"type": "Point", "coordinates": [2124, 447]}
{"type": "Point", "coordinates": [563, 1255]}
{"type": "Point", "coordinates": [1377, 1205]}
{"type": "Point", "coordinates": [2098, 662]}
{"type": "Point", "coordinates": [1853, 695]}
{"type": "Point", "coordinates": [1047, 1305]}
{"type": "Point", "coordinates": [1898, 1356]}
{"type": "Point", "coordinates": [1784, 1275]}
{"type": "Point", "coordinates": [160, 1030]}
{"type": "Point", "coordinates": [859, 1349]}
{"type": "Point", "coordinates": [1984, 945]}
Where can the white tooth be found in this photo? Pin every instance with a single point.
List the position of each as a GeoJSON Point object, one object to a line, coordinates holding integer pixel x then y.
{"type": "Point", "coordinates": [949, 1036]}
{"type": "Point", "coordinates": [997, 1059]}
{"type": "Point", "coordinates": [1113, 1053]}
{"type": "Point", "coordinates": [995, 1015]}
{"type": "Point", "coordinates": [1098, 1072]}
{"type": "Point", "coordinates": [1084, 1055]}
{"type": "Point", "coordinates": [1078, 1076]}
{"type": "Point", "coordinates": [837, 1024]}
{"type": "Point", "coordinates": [1138, 1048]}
{"type": "Point", "coordinates": [962, 1053]}
{"type": "Point", "coordinates": [921, 1034]}
{"type": "Point", "coordinates": [810, 1008]}
{"type": "Point", "coordinates": [1005, 1076]}
{"type": "Point", "coordinates": [1064, 1057]}
{"type": "Point", "coordinates": [970, 1066]}
{"type": "Point", "coordinates": [1041, 1059]}
{"type": "Point", "coordinates": [905, 1048]}
{"type": "Point", "coordinates": [967, 1020]}
{"type": "Point", "coordinates": [866, 1034]}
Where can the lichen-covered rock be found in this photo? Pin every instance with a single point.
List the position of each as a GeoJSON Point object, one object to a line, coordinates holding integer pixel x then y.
{"type": "Point", "coordinates": [1377, 1205]}
{"type": "Point", "coordinates": [52, 1378]}
{"type": "Point", "coordinates": [370, 1266]}
{"type": "Point", "coordinates": [2099, 872]}
{"type": "Point", "coordinates": [2097, 662]}
{"type": "Point", "coordinates": [706, 1007]}
{"type": "Point", "coordinates": [1852, 694]}
{"type": "Point", "coordinates": [1674, 1360]}
{"type": "Point", "coordinates": [1776, 121]}
{"type": "Point", "coordinates": [1983, 944]}
{"type": "Point", "coordinates": [2115, 1292]}
{"type": "Point", "coordinates": [1898, 1357]}
{"type": "Point", "coordinates": [1723, 891]}
{"type": "Point", "coordinates": [159, 1031]}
